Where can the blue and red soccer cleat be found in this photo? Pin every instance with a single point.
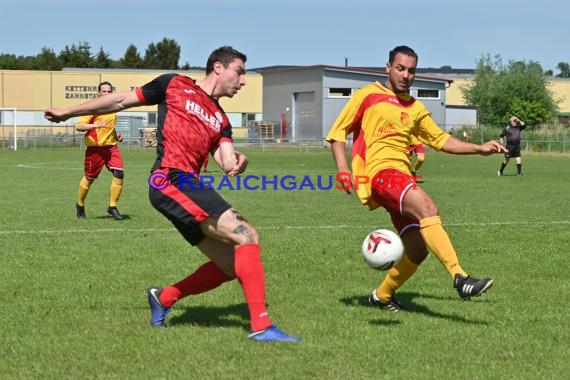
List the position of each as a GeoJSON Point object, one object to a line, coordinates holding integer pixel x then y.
{"type": "Point", "coordinates": [273, 334]}
{"type": "Point", "coordinates": [158, 313]}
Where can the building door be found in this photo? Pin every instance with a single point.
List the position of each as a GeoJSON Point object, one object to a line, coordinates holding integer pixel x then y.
{"type": "Point", "coordinates": [305, 123]}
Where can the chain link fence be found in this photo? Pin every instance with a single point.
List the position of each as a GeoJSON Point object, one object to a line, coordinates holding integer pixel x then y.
{"type": "Point", "coordinates": [545, 139]}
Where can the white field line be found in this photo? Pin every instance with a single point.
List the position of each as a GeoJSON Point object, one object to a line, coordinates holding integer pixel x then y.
{"type": "Point", "coordinates": [318, 227]}
{"type": "Point", "coordinates": [48, 166]}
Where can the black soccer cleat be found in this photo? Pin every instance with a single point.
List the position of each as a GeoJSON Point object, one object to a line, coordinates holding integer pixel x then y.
{"type": "Point", "coordinates": [468, 287]}
{"type": "Point", "coordinates": [80, 211]}
{"type": "Point", "coordinates": [112, 211]}
{"type": "Point", "coordinates": [392, 305]}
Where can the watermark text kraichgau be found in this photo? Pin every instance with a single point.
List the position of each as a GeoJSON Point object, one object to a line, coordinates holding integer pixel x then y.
{"type": "Point", "coordinates": [160, 180]}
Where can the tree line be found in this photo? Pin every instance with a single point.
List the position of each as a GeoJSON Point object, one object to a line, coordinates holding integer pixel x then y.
{"type": "Point", "coordinates": [163, 55]}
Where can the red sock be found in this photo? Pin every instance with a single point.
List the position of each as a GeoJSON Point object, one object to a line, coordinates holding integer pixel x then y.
{"type": "Point", "coordinates": [249, 271]}
{"type": "Point", "coordinates": [205, 278]}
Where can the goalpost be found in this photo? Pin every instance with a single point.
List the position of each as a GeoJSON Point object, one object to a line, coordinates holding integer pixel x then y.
{"type": "Point", "coordinates": [8, 118]}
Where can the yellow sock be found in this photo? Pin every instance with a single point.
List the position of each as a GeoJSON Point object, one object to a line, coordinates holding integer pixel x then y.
{"type": "Point", "coordinates": [116, 189]}
{"type": "Point", "coordinates": [438, 242]}
{"type": "Point", "coordinates": [396, 278]}
{"type": "Point", "coordinates": [83, 190]}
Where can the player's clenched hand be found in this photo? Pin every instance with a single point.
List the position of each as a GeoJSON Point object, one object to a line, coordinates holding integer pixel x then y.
{"type": "Point", "coordinates": [345, 182]}
{"type": "Point", "coordinates": [55, 115]}
{"type": "Point", "coordinates": [241, 164]}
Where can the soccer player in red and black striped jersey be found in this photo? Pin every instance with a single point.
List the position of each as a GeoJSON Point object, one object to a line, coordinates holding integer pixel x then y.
{"type": "Point", "coordinates": [383, 118]}
{"type": "Point", "coordinates": [191, 125]}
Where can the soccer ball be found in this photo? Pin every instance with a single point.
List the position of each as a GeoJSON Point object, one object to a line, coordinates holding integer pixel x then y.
{"type": "Point", "coordinates": [382, 249]}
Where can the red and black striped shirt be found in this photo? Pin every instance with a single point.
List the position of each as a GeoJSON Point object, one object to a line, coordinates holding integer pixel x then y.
{"type": "Point", "coordinates": [191, 124]}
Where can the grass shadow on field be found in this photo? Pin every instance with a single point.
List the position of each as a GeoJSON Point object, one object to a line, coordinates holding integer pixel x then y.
{"type": "Point", "coordinates": [407, 300]}
{"type": "Point", "coordinates": [226, 316]}
{"type": "Point", "coordinates": [105, 216]}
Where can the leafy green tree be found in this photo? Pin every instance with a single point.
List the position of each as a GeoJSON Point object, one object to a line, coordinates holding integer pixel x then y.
{"type": "Point", "coordinates": [8, 62]}
{"type": "Point", "coordinates": [132, 59]}
{"type": "Point", "coordinates": [478, 93]}
{"type": "Point", "coordinates": [518, 88]}
{"type": "Point", "coordinates": [47, 60]}
{"type": "Point", "coordinates": [564, 70]}
{"type": "Point", "coordinates": [164, 55]}
{"type": "Point", "coordinates": [26, 63]}
{"type": "Point", "coordinates": [11, 62]}
{"type": "Point", "coordinates": [77, 56]}
{"type": "Point", "coordinates": [102, 60]}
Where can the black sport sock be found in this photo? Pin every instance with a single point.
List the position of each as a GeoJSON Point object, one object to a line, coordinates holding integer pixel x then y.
{"type": "Point", "coordinates": [519, 168]}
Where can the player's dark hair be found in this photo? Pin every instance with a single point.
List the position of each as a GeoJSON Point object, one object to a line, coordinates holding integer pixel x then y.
{"type": "Point", "coordinates": [225, 55]}
{"type": "Point", "coordinates": [103, 84]}
{"type": "Point", "coordinates": [402, 49]}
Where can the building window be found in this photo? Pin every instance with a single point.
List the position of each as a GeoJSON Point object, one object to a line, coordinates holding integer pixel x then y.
{"type": "Point", "coordinates": [246, 118]}
{"type": "Point", "coordinates": [337, 92]}
{"type": "Point", "coordinates": [432, 94]}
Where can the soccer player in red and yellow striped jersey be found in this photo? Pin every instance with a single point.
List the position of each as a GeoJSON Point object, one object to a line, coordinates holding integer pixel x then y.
{"type": "Point", "coordinates": [382, 119]}
{"type": "Point", "coordinates": [101, 140]}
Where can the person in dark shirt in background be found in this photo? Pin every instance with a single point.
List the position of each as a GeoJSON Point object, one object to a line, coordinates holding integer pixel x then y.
{"type": "Point", "coordinates": [512, 134]}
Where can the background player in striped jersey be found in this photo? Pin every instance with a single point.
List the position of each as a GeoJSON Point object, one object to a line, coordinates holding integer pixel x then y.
{"type": "Point", "coordinates": [102, 150]}
{"type": "Point", "coordinates": [191, 125]}
{"type": "Point", "coordinates": [382, 119]}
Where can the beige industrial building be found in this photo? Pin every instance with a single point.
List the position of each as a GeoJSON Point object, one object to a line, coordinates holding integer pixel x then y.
{"type": "Point", "coordinates": [31, 92]}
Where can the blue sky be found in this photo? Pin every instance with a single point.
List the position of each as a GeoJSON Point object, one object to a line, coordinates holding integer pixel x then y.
{"type": "Point", "coordinates": [298, 32]}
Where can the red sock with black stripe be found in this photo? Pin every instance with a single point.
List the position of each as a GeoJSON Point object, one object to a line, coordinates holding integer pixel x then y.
{"type": "Point", "coordinates": [249, 271]}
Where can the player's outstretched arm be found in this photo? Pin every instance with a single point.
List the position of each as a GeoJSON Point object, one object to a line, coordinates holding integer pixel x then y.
{"type": "Point", "coordinates": [88, 126]}
{"type": "Point", "coordinates": [344, 175]}
{"type": "Point", "coordinates": [111, 103]}
{"type": "Point", "coordinates": [456, 146]}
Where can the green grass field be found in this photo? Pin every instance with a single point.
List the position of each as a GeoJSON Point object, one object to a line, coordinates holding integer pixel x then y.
{"type": "Point", "coordinates": [73, 292]}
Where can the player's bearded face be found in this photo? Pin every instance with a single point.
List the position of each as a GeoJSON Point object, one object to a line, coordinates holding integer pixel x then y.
{"type": "Point", "coordinates": [401, 73]}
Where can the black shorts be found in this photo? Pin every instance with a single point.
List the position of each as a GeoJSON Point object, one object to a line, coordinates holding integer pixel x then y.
{"type": "Point", "coordinates": [184, 201]}
{"type": "Point", "coordinates": [513, 151]}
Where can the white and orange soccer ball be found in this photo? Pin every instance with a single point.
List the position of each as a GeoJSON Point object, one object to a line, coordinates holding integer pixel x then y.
{"type": "Point", "coordinates": [382, 249]}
